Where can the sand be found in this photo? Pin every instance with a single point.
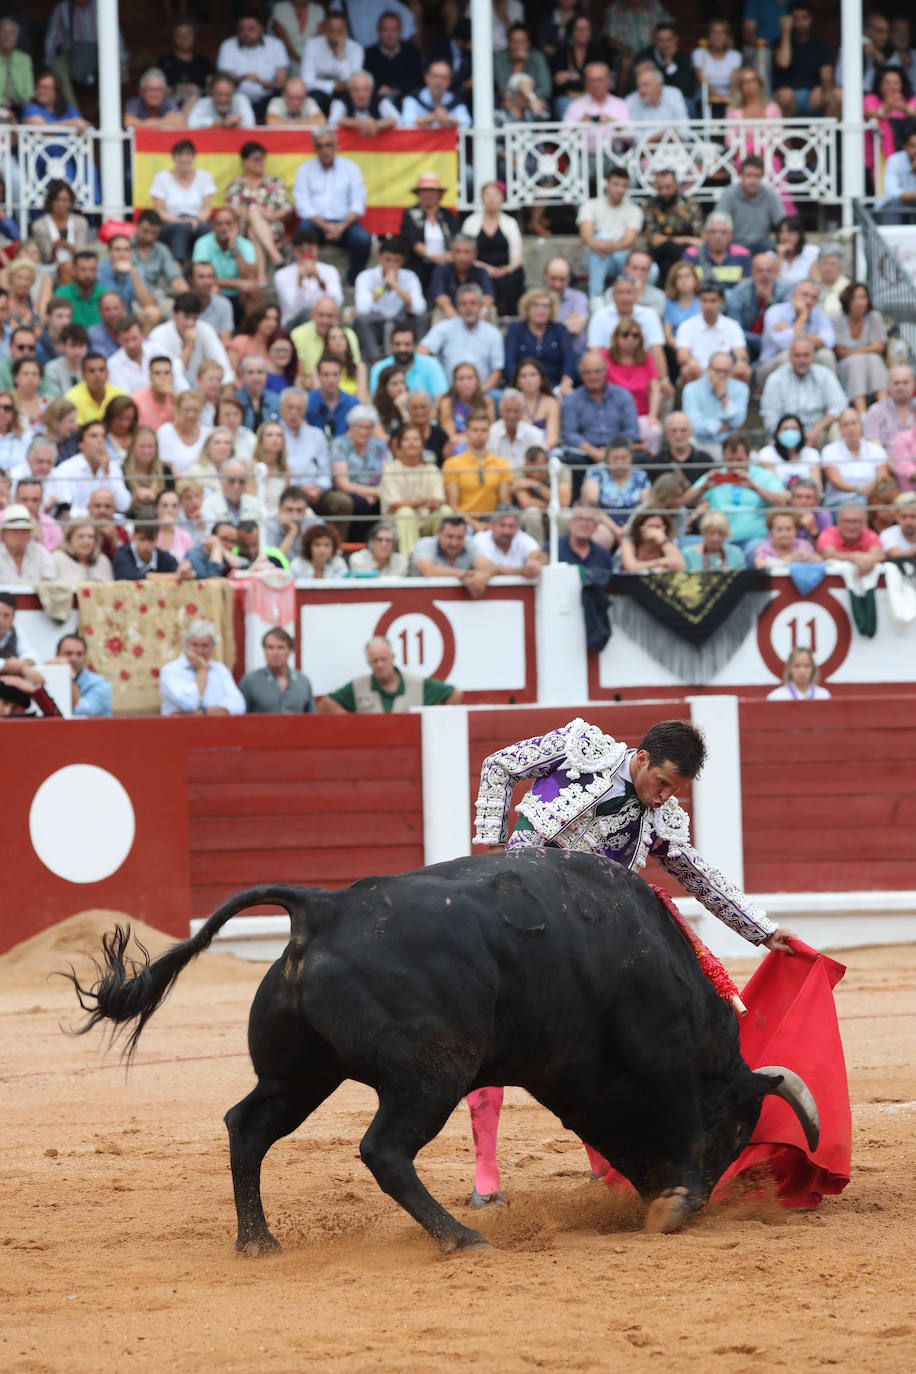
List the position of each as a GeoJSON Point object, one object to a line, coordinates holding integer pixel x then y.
{"type": "Point", "coordinates": [117, 1224]}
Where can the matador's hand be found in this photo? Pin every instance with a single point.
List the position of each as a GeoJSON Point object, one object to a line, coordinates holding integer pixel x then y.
{"type": "Point", "coordinates": [779, 940]}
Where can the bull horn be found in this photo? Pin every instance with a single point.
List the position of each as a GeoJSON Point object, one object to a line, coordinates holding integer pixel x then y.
{"type": "Point", "coordinates": [796, 1092]}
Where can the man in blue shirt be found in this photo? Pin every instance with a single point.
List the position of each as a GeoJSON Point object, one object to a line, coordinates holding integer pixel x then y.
{"type": "Point", "coordinates": [468, 339]}
{"type": "Point", "coordinates": [578, 544]}
{"type": "Point", "coordinates": [91, 693]}
{"type": "Point", "coordinates": [423, 373]}
{"type": "Point", "coordinates": [593, 413]}
{"type": "Point", "coordinates": [898, 204]}
{"type": "Point", "coordinates": [231, 256]}
{"type": "Point", "coordinates": [328, 405]}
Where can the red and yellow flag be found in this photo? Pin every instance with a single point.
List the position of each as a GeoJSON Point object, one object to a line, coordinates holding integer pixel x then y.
{"type": "Point", "coordinates": [390, 163]}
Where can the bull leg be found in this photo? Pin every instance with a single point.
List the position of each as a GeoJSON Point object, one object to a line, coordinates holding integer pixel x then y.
{"type": "Point", "coordinates": [401, 1127]}
{"type": "Point", "coordinates": [272, 1110]}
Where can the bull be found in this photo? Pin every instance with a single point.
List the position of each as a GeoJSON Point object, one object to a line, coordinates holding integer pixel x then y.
{"type": "Point", "coordinates": [555, 971]}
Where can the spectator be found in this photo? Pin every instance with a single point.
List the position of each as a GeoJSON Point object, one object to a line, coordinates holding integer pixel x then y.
{"type": "Point", "coordinates": [755, 209]}
{"type": "Point", "coordinates": [58, 314]}
{"type": "Point", "coordinates": [80, 557]}
{"type": "Point", "coordinates": [145, 475]}
{"type": "Point", "coordinates": [421, 373]}
{"type": "Point", "coordinates": [743, 490]}
{"type": "Point", "coordinates": [319, 554]}
{"type": "Point", "coordinates": [84, 291]}
{"type": "Point", "coordinates": [572, 305]}
{"type": "Point", "coordinates": [784, 545]}
{"type": "Point", "coordinates": [572, 49]}
{"type": "Point", "coordinates": [682, 301]}
{"type": "Point", "coordinates": [852, 465]}
{"type": "Point", "coordinates": [468, 338]}
{"type": "Point", "coordinates": [578, 545]}
{"type": "Point", "coordinates": [360, 109]}
{"type": "Point", "coordinates": [380, 558]}
{"type": "Point", "coordinates": [511, 436]}
{"type": "Point", "coordinates": [675, 66]}
{"type": "Point", "coordinates": [59, 231]}
{"type": "Point", "coordinates": [624, 305]}
{"type": "Point", "coordinates": [357, 460]}
{"type": "Point", "coordinates": [790, 457]}
{"type": "Point", "coordinates": [72, 46]}
{"type": "Point", "coordinates": [330, 198]}
{"type": "Point", "coordinates": [861, 339]}
{"type": "Point", "coordinates": [539, 405]}
{"type": "Point", "coordinates": [129, 365]}
{"type": "Point", "coordinates": [519, 58]}
{"type": "Point", "coordinates": [278, 688]}
{"type": "Point", "coordinates": [311, 340]}
{"type": "Point", "coordinates": [652, 102]}
{"type": "Point", "coordinates": [897, 204]}
{"type": "Point", "coordinates": [182, 197]}
{"type": "Point", "coordinates": [462, 269]}
{"type": "Point", "coordinates": [699, 337]}
{"type": "Point", "coordinates": [891, 101]}
{"type": "Point", "coordinates": [797, 256]}
{"type": "Point", "coordinates": [394, 65]}
{"type": "Point", "coordinates": [101, 511]}
{"type": "Point", "coordinates": [58, 425]}
{"type": "Point", "coordinates": [434, 105]}
{"type": "Point", "coordinates": [103, 337]}
{"type": "Point", "coordinates": [232, 257]}
{"type": "Point", "coordinates": [447, 554]}
{"type": "Point", "coordinates": [386, 688]}
{"type": "Point", "coordinates": [270, 451]}
{"type": "Point", "coordinates": [608, 228]}
{"type": "Point", "coordinates": [648, 545]}
{"type": "Point", "coordinates": [411, 490]}
{"type": "Point", "coordinates": [800, 675]}
{"type": "Point", "coordinates": [216, 555]}
{"type": "Point", "coordinates": [194, 684]}
{"type": "Point", "coordinates": [258, 403]}
{"type": "Point", "coordinates": [17, 79]}
{"type": "Point", "coordinates": [187, 71]}
{"type": "Point", "coordinates": [90, 693]}
{"type": "Point", "coordinates": [884, 420]}
{"type": "Point", "coordinates": [330, 59]}
{"type": "Point", "coordinates": [65, 371]}
{"type": "Point", "coordinates": [294, 107]}
{"type": "Point", "coordinates": [13, 434]}
{"type": "Point", "coordinates": [121, 422]}
{"type": "Point", "coordinates": [282, 363]}
{"type": "Point", "coordinates": [152, 259]}
{"type": "Point", "coordinates": [17, 656]}
{"type": "Point", "coordinates": [716, 402]}
{"type": "Point", "coordinates": [133, 562]}
{"type": "Point", "coordinates": [899, 540]}
{"type": "Point", "coordinates": [20, 277]}
{"type": "Point", "coordinates": [294, 22]}
{"type": "Point", "coordinates": [595, 410]}
{"type": "Point", "coordinates": [629, 27]}
{"type": "Point", "coordinates": [29, 401]}
{"type": "Point", "coordinates": [749, 301]}
{"type": "Point", "coordinates": [829, 272]}
{"type": "Point", "coordinates": [283, 531]}
{"type": "Point", "coordinates": [464, 398]}
{"type": "Point", "coordinates": [428, 228]}
{"type": "Point", "coordinates": [328, 406]}
{"type": "Point", "coordinates": [791, 319]}
{"type": "Point", "coordinates": [262, 206]}
{"type": "Point", "coordinates": [231, 502]}
{"type": "Point", "coordinates": [715, 62]}
{"type": "Point", "coordinates": [153, 107]}
{"type": "Point", "coordinates": [499, 247]}
{"type": "Point", "coordinates": [616, 489]}
{"type": "Point", "coordinates": [156, 402]}
{"type": "Point", "coordinates": [217, 447]}
{"type": "Point", "coordinates": [180, 443]}
{"type": "Point", "coordinates": [718, 257]}
{"type": "Point", "coordinates": [92, 394]}
{"type": "Point", "coordinates": [672, 222]}
{"type": "Point", "coordinates": [902, 51]}
{"type": "Point", "coordinates": [29, 492]}
{"type": "Point", "coordinates": [188, 340]}
{"type": "Point", "coordinates": [300, 285]}
{"type": "Point", "coordinates": [353, 376]}
{"type": "Point", "coordinates": [850, 539]}
{"type": "Point", "coordinates": [508, 549]}
{"type": "Point", "coordinates": [257, 61]}
{"type": "Point", "coordinates": [714, 551]}
{"type": "Point", "coordinates": [804, 388]}
{"type": "Point", "coordinates": [537, 334]}
{"type": "Point", "coordinates": [749, 103]}
{"type": "Point", "coordinates": [225, 107]}
{"type": "Point", "coordinates": [215, 310]}
{"type": "Point", "coordinates": [386, 295]}
{"type": "Point", "coordinates": [629, 366]}
{"type": "Point", "coordinates": [230, 412]}
{"type": "Point", "coordinates": [477, 481]}
{"type": "Point", "coordinates": [803, 66]}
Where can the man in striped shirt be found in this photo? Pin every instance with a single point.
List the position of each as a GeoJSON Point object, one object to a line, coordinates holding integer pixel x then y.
{"type": "Point", "coordinates": [804, 388]}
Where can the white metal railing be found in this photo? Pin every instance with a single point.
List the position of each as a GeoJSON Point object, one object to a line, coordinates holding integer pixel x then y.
{"type": "Point", "coordinates": [31, 157]}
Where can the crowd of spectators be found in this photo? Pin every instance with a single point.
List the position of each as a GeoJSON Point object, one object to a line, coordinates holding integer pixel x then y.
{"type": "Point", "coordinates": [207, 392]}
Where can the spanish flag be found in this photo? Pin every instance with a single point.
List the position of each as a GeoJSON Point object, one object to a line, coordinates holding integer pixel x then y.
{"type": "Point", "coordinates": [390, 163]}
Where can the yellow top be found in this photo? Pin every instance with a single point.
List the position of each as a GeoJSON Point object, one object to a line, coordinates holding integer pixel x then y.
{"type": "Point", "coordinates": [478, 482]}
{"type": "Point", "coordinates": [86, 408]}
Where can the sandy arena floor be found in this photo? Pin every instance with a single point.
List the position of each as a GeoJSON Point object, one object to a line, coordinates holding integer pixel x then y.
{"type": "Point", "coordinates": [117, 1221]}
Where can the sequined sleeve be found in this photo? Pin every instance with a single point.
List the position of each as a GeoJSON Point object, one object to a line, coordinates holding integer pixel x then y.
{"type": "Point", "coordinates": [530, 758]}
{"type": "Point", "coordinates": [713, 889]}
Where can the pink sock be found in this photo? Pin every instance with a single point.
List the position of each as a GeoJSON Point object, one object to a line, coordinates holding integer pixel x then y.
{"type": "Point", "coordinates": [485, 1105]}
{"type": "Point", "coordinates": [598, 1162]}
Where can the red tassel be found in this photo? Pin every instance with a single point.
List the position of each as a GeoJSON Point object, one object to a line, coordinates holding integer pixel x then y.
{"type": "Point", "coordinates": [711, 967]}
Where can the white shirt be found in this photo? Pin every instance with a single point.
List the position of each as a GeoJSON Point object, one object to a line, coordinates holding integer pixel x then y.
{"type": "Point", "coordinates": [799, 269]}
{"type": "Point", "coordinates": [791, 693]}
{"type": "Point", "coordinates": [216, 507]}
{"type": "Point", "coordinates": [894, 538]}
{"type": "Point", "coordinates": [37, 565]}
{"type": "Point", "coordinates": [526, 436]}
{"type": "Point", "coordinates": [522, 546]}
{"type": "Point", "coordinates": [388, 304]}
{"type": "Point", "coordinates": [702, 340]}
{"type": "Point", "coordinates": [178, 199]}
{"type": "Point", "coordinates": [611, 221]}
{"type": "Point", "coordinates": [178, 686]}
{"type": "Point", "coordinates": [123, 371]}
{"type": "Point", "coordinates": [604, 321]}
{"type": "Point", "coordinates": [329, 192]}
{"type": "Point", "coordinates": [808, 458]}
{"type": "Point", "coordinates": [175, 452]}
{"type": "Point", "coordinates": [307, 455]}
{"type": "Point", "coordinates": [203, 115]}
{"type": "Point", "coordinates": [72, 482]}
{"type": "Point", "coordinates": [322, 68]}
{"type": "Point", "coordinates": [294, 295]}
{"type": "Point", "coordinates": [278, 108]}
{"type": "Point", "coordinates": [855, 468]}
{"type": "Point", "coordinates": [265, 58]}
{"type": "Point", "coordinates": [23, 648]}
{"type": "Point", "coordinates": [166, 339]}
{"type": "Point", "coordinates": [716, 71]}
{"type": "Point", "coordinates": [339, 111]}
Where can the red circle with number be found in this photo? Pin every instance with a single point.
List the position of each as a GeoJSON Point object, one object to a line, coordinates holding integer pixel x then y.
{"type": "Point", "coordinates": [825, 601]}
{"type": "Point", "coordinates": [442, 624]}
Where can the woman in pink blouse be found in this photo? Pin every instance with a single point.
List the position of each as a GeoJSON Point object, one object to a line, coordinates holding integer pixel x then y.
{"type": "Point", "coordinates": [630, 366]}
{"type": "Point", "coordinates": [891, 98]}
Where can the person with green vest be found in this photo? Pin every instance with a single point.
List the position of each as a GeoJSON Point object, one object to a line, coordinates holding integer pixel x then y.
{"type": "Point", "coordinates": [386, 688]}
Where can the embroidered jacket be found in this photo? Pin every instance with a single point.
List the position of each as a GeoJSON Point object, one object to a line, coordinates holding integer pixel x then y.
{"type": "Point", "coordinates": [575, 768]}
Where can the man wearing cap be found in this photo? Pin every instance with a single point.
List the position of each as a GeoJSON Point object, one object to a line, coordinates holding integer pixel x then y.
{"type": "Point", "coordinates": [427, 228]}
{"type": "Point", "coordinates": [330, 198]}
{"type": "Point", "coordinates": [385, 296]}
{"type": "Point", "coordinates": [22, 558]}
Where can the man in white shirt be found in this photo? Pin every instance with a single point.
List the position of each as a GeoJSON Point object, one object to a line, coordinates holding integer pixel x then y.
{"type": "Point", "coordinates": [128, 366]}
{"type": "Point", "coordinates": [308, 458]}
{"type": "Point", "coordinates": [22, 558]}
{"type": "Point", "coordinates": [330, 198]}
{"type": "Point", "coordinates": [698, 338]}
{"type": "Point", "coordinates": [330, 59]}
{"type": "Point", "coordinates": [305, 280]}
{"type": "Point", "coordinates": [434, 106]}
{"type": "Point", "coordinates": [187, 340]}
{"type": "Point", "coordinates": [258, 61]}
{"type": "Point", "coordinates": [76, 478]}
{"type": "Point", "coordinates": [194, 684]}
{"type": "Point", "coordinates": [899, 541]}
{"type": "Point", "coordinates": [506, 546]}
{"type": "Point", "coordinates": [232, 502]}
{"type": "Point", "coordinates": [294, 106]}
{"type": "Point", "coordinates": [608, 227]}
{"type": "Point", "coordinates": [510, 436]}
{"type": "Point", "coordinates": [223, 108]}
{"type": "Point", "coordinates": [655, 103]}
{"type": "Point", "coordinates": [386, 295]}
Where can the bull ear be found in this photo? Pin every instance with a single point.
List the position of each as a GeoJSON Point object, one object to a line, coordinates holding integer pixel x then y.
{"type": "Point", "coordinates": [788, 1085]}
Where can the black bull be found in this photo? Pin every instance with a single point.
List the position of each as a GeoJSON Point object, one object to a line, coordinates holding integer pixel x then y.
{"type": "Point", "coordinates": [554, 971]}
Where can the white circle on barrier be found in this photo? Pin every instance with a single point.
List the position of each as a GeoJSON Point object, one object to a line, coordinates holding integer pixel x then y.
{"type": "Point", "coordinates": [81, 823]}
{"type": "Point", "coordinates": [805, 625]}
{"type": "Point", "coordinates": [417, 643]}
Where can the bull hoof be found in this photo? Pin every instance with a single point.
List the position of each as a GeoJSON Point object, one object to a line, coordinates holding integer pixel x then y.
{"type": "Point", "coordinates": [258, 1249]}
{"type": "Point", "coordinates": [669, 1212]}
{"type": "Point", "coordinates": [465, 1240]}
{"type": "Point", "coordinates": [487, 1199]}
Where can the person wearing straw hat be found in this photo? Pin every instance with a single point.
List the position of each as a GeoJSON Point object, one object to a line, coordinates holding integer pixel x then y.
{"type": "Point", "coordinates": [22, 558]}
{"type": "Point", "coordinates": [428, 228]}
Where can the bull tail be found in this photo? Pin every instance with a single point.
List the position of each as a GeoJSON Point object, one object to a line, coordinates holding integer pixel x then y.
{"type": "Point", "coordinates": [128, 990]}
